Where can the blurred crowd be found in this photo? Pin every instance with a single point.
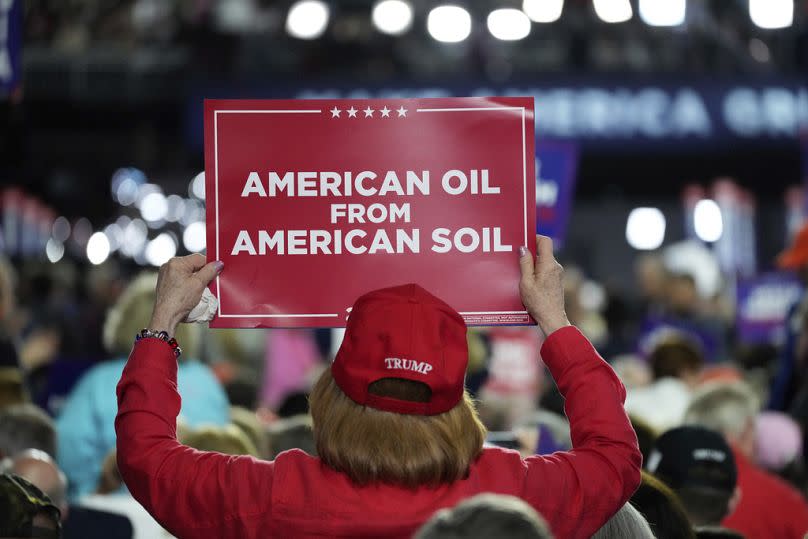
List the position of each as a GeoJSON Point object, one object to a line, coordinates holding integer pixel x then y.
{"type": "Point", "coordinates": [721, 425]}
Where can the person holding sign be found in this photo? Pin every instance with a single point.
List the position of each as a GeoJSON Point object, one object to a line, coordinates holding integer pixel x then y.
{"type": "Point", "coordinates": [397, 435]}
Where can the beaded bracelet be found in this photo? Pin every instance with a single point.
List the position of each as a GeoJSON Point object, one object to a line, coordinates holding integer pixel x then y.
{"type": "Point", "coordinates": [163, 336]}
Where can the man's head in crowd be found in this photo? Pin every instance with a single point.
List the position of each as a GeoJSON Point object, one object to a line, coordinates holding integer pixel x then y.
{"type": "Point", "coordinates": [41, 470]}
{"type": "Point", "coordinates": [12, 388]}
{"type": "Point", "coordinates": [26, 511]}
{"type": "Point", "coordinates": [627, 522]}
{"type": "Point", "coordinates": [683, 295]}
{"type": "Point", "coordinates": [395, 393]}
{"type": "Point", "coordinates": [676, 356]}
{"type": "Point", "coordinates": [662, 509]}
{"type": "Point", "coordinates": [697, 463]}
{"type": "Point", "coordinates": [132, 312]}
{"type": "Point", "coordinates": [485, 516]}
{"type": "Point", "coordinates": [25, 426]}
{"type": "Point", "coordinates": [728, 408]}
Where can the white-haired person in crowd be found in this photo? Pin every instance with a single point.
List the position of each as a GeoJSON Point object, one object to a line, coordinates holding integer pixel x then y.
{"type": "Point", "coordinates": [86, 422]}
{"type": "Point", "coordinates": [397, 435]}
{"type": "Point", "coordinates": [767, 506]}
{"type": "Point", "coordinates": [485, 516]}
{"type": "Point", "coordinates": [627, 523]}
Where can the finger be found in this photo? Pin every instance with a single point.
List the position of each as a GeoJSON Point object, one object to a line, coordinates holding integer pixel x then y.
{"type": "Point", "coordinates": [208, 272]}
{"type": "Point", "coordinates": [544, 249]}
{"type": "Point", "coordinates": [525, 263]}
{"type": "Point", "coordinates": [194, 262]}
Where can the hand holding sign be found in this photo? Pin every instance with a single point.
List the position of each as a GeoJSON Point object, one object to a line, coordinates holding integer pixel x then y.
{"type": "Point", "coordinates": [180, 285]}
{"type": "Point", "coordinates": [542, 286]}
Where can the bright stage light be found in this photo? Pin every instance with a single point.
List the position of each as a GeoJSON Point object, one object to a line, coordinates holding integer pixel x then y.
{"type": "Point", "coordinates": [771, 14]}
{"type": "Point", "coordinates": [663, 12]}
{"type": "Point", "coordinates": [97, 248]}
{"type": "Point", "coordinates": [449, 24]}
{"type": "Point", "coordinates": [392, 17]}
{"type": "Point", "coordinates": [707, 220]}
{"type": "Point", "coordinates": [307, 19]}
{"type": "Point", "coordinates": [613, 11]}
{"type": "Point", "coordinates": [645, 228]}
{"type": "Point", "coordinates": [508, 24]}
{"type": "Point", "coordinates": [543, 10]}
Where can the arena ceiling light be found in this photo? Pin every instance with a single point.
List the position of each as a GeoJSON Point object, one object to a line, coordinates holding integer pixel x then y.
{"type": "Point", "coordinates": [707, 220]}
{"type": "Point", "coordinates": [193, 237]}
{"type": "Point", "coordinates": [543, 10]}
{"type": "Point", "coordinates": [160, 250]}
{"type": "Point", "coordinates": [393, 17]}
{"type": "Point", "coordinates": [645, 228]}
{"type": "Point", "coordinates": [613, 11]}
{"type": "Point", "coordinates": [508, 24]}
{"type": "Point", "coordinates": [307, 19]}
{"type": "Point", "coordinates": [449, 24]}
{"type": "Point", "coordinates": [98, 248]}
{"type": "Point", "coordinates": [663, 12]}
{"type": "Point", "coordinates": [771, 14]}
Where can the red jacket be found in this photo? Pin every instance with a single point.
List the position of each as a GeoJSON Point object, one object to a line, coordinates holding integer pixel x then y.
{"type": "Point", "coordinates": [769, 507]}
{"type": "Point", "coordinates": [209, 495]}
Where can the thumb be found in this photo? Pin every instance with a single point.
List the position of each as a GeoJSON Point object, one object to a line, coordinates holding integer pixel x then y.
{"type": "Point", "coordinates": [209, 271]}
{"type": "Point", "coordinates": [526, 263]}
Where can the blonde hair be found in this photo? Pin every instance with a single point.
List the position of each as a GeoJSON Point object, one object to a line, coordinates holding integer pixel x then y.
{"type": "Point", "coordinates": [229, 440]}
{"type": "Point", "coordinates": [132, 312]}
{"type": "Point", "coordinates": [371, 445]}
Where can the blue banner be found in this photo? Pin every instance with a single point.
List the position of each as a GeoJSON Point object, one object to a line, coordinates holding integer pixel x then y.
{"type": "Point", "coordinates": [556, 165]}
{"type": "Point", "coordinates": [10, 46]}
{"type": "Point", "coordinates": [598, 112]}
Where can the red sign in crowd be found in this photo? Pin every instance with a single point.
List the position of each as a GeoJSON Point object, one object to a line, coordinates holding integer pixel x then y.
{"type": "Point", "coordinates": [312, 203]}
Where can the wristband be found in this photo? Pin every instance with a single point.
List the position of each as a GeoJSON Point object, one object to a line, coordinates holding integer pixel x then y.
{"type": "Point", "coordinates": [163, 336]}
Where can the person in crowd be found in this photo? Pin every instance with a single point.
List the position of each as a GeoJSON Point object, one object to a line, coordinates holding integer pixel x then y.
{"type": "Point", "coordinates": [779, 447]}
{"type": "Point", "coordinates": [112, 498]}
{"type": "Point", "coordinates": [12, 387]}
{"type": "Point", "coordinates": [627, 523]}
{"type": "Point", "coordinates": [662, 509]}
{"type": "Point", "coordinates": [26, 510]}
{"type": "Point", "coordinates": [397, 436]}
{"type": "Point", "coordinates": [676, 363]}
{"type": "Point", "coordinates": [646, 436]}
{"type": "Point", "coordinates": [697, 463]}
{"type": "Point", "coordinates": [40, 469]}
{"type": "Point", "coordinates": [768, 506]}
{"type": "Point", "coordinates": [485, 516]}
{"type": "Point", "coordinates": [86, 423]}
{"type": "Point", "coordinates": [247, 421]}
{"type": "Point", "coordinates": [9, 357]}
{"type": "Point", "coordinates": [228, 440]}
{"type": "Point", "coordinates": [716, 532]}
{"type": "Point", "coordinates": [788, 380]}
{"type": "Point", "coordinates": [25, 426]}
{"type": "Point", "coordinates": [292, 433]}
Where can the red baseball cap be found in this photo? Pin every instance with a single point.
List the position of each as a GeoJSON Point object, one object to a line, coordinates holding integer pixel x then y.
{"type": "Point", "coordinates": [403, 332]}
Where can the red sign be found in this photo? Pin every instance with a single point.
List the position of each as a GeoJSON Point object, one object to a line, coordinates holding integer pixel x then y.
{"type": "Point", "coordinates": [312, 203]}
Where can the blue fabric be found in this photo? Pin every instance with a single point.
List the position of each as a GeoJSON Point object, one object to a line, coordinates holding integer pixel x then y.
{"type": "Point", "coordinates": [778, 393]}
{"type": "Point", "coordinates": [86, 425]}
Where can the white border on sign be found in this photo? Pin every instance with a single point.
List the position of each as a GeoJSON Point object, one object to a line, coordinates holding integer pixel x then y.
{"type": "Point", "coordinates": [334, 315]}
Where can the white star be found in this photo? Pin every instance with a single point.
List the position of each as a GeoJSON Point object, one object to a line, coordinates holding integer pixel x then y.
{"type": "Point", "coordinates": [368, 112]}
{"type": "Point", "coordinates": [335, 112]}
{"type": "Point", "coordinates": [402, 112]}
{"type": "Point", "coordinates": [352, 112]}
{"type": "Point", "coordinates": [385, 112]}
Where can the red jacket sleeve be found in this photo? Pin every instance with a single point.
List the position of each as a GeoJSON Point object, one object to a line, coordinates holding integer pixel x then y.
{"type": "Point", "coordinates": [579, 490]}
{"type": "Point", "coordinates": [190, 493]}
